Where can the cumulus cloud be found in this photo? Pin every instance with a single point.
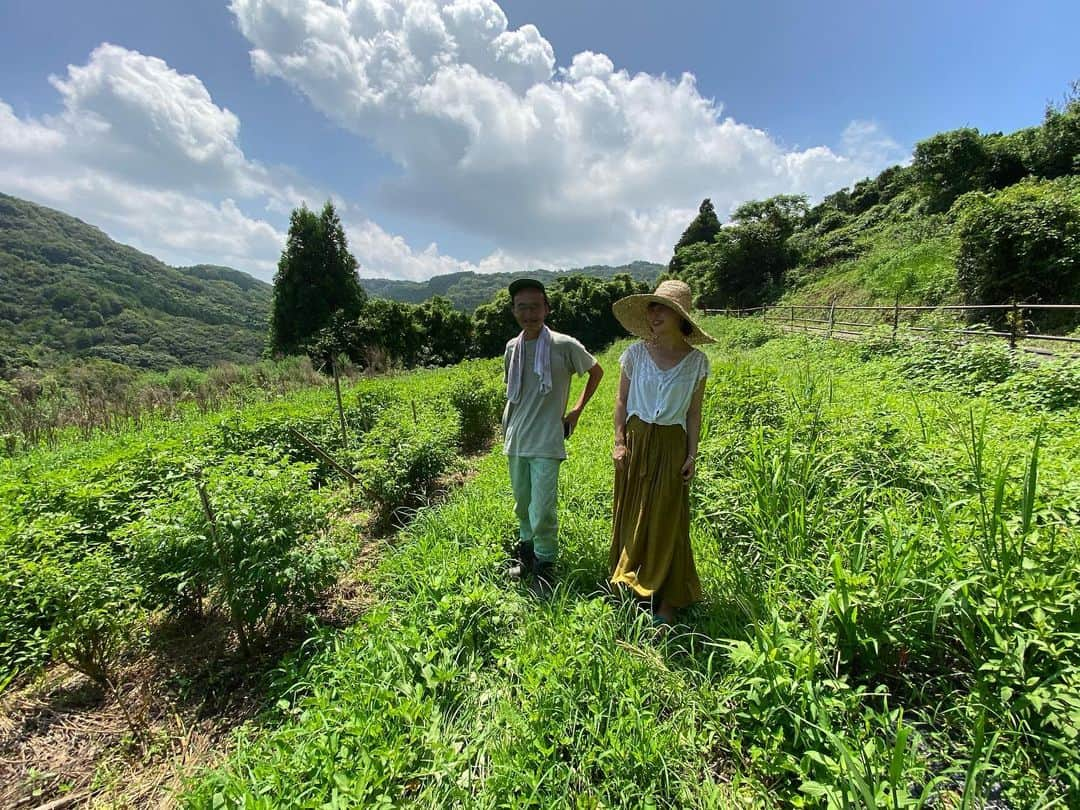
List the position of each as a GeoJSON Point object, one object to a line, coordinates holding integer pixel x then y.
{"type": "Point", "coordinates": [144, 152]}
{"type": "Point", "coordinates": [395, 258]}
{"type": "Point", "coordinates": [580, 163]}
{"type": "Point", "coordinates": [557, 165]}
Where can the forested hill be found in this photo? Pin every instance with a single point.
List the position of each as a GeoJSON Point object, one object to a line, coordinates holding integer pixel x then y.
{"type": "Point", "coordinates": [468, 290]}
{"type": "Point", "coordinates": [68, 290]}
{"type": "Point", "coordinates": [975, 218]}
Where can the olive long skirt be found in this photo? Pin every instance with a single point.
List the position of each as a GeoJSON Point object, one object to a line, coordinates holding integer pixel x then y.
{"type": "Point", "coordinates": [650, 540]}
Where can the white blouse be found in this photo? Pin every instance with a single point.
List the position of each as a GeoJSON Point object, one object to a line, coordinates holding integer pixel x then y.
{"type": "Point", "coordinates": [659, 396]}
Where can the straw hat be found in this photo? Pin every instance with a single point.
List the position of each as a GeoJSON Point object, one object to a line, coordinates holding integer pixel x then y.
{"type": "Point", "coordinates": [632, 311]}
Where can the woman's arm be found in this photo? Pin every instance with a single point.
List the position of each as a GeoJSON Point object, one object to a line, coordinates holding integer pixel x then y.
{"type": "Point", "coordinates": [693, 430]}
{"type": "Point", "coordinates": [619, 453]}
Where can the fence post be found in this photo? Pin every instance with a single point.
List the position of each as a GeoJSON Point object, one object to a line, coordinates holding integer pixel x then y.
{"type": "Point", "coordinates": [895, 316]}
{"type": "Point", "coordinates": [832, 318]}
{"type": "Point", "coordinates": [791, 318]}
{"type": "Point", "coordinates": [1014, 325]}
{"type": "Point", "coordinates": [340, 409]}
{"type": "Point", "coordinates": [764, 313]}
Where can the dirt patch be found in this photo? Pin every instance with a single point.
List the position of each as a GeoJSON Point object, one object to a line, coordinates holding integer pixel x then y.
{"type": "Point", "coordinates": [62, 736]}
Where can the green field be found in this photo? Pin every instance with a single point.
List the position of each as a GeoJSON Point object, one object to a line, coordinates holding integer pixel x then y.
{"type": "Point", "coordinates": [877, 620]}
{"type": "Point", "coordinates": [888, 550]}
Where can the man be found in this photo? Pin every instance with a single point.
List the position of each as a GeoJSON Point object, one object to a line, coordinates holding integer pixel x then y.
{"type": "Point", "coordinates": [538, 365]}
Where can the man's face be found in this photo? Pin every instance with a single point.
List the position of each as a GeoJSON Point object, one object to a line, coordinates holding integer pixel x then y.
{"type": "Point", "coordinates": [530, 310]}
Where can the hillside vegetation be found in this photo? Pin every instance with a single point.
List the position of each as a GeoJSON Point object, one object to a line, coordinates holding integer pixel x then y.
{"type": "Point", "coordinates": [890, 620]}
{"type": "Point", "coordinates": [975, 218]}
{"type": "Point", "coordinates": [67, 290]}
{"type": "Point", "coordinates": [886, 534]}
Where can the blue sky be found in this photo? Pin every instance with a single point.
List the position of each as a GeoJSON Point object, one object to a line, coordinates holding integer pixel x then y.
{"type": "Point", "coordinates": [475, 135]}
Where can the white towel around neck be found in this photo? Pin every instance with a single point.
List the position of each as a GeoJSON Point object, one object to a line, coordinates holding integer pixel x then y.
{"type": "Point", "coordinates": [541, 365]}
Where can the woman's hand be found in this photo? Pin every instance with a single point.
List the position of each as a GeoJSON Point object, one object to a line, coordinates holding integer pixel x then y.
{"type": "Point", "coordinates": [688, 469]}
{"type": "Point", "coordinates": [618, 455]}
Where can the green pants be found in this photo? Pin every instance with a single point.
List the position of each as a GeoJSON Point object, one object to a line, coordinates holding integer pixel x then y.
{"type": "Point", "coordinates": [535, 482]}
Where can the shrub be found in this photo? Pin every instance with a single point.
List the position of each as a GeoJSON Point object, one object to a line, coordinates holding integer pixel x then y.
{"type": "Point", "coordinates": [97, 615]}
{"type": "Point", "coordinates": [1049, 385]}
{"type": "Point", "coordinates": [1020, 244]}
{"type": "Point", "coordinates": [748, 334]}
{"type": "Point", "coordinates": [260, 554]}
{"type": "Point", "coordinates": [879, 341]}
{"type": "Point", "coordinates": [401, 459]}
{"type": "Point", "coordinates": [949, 164]}
{"type": "Point", "coordinates": [972, 368]}
{"type": "Point", "coordinates": [478, 399]}
{"type": "Point", "coordinates": [34, 556]}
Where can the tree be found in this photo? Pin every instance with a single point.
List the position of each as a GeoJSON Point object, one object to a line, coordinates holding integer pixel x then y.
{"type": "Point", "coordinates": [1021, 244]}
{"type": "Point", "coordinates": [744, 267]}
{"type": "Point", "coordinates": [1057, 152]}
{"type": "Point", "coordinates": [746, 261]}
{"type": "Point", "coordinates": [784, 213]}
{"type": "Point", "coordinates": [447, 332]}
{"type": "Point", "coordinates": [388, 333]}
{"type": "Point", "coordinates": [493, 325]}
{"type": "Point", "coordinates": [950, 164]}
{"type": "Point", "coordinates": [703, 228]}
{"type": "Point", "coordinates": [316, 277]}
{"type": "Point", "coordinates": [581, 306]}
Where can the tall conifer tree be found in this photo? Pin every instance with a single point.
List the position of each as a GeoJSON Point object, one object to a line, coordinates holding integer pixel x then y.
{"type": "Point", "coordinates": [316, 277]}
{"type": "Point", "coordinates": [704, 228]}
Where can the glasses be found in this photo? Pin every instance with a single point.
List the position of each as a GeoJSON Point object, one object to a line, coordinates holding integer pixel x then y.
{"type": "Point", "coordinates": [524, 309]}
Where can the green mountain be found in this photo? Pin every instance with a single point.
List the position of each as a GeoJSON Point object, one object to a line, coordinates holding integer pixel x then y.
{"type": "Point", "coordinates": [468, 290]}
{"type": "Point", "coordinates": [69, 291]}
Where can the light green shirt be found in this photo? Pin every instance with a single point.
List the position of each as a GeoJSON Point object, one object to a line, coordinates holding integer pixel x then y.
{"type": "Point", "coordinates": [534, 425]}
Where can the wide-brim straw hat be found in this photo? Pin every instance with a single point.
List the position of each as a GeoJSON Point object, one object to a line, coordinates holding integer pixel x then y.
{"type": "Point", "coordinates": [632, 311]}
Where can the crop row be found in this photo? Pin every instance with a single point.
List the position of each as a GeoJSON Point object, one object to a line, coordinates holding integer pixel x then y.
{"type": "Point", "coordinates": [231, 513]}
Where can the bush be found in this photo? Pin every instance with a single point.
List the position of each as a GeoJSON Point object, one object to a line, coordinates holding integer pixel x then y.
{"type": "Point", "coordinates": [263, 555]}
{"type": "Point", "coordinates": [748, 334]}
{"type": "Point", "coordinates": [478, 401]}
{"type": "Point", "coordinates": [879, 341]}
{"type": "Point", "coordinates": [972, 368]}
{"type": "Point", "coordinates": [950, 164]}
{"type": "Point", "coordinates": [31, 596]}
{"type": "Point", "coordinates": [97, 618]}
{"type": "Point", "coordinates": [402, 459]}
{"type": "Point", "coordinates": [1049, 385]}
{"type": "Point", "coordinates": [1021, 244]}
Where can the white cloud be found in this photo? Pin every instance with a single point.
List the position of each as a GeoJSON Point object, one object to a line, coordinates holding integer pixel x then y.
{"type": "Point", "coordinates": [578, 164]}
{"type": "Point", "coordinates": [143, 152]}
{"type": "Point", "coordinates": [559, 166]}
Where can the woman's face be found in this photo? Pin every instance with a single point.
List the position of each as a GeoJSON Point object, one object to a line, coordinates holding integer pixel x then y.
{"type": "Point", "coordinates": [663, 320]}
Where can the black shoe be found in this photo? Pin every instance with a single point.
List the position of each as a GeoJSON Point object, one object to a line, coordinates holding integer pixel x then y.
{"type": "Point", "coordinates": [544, 571]}
{"type": "Point", "coordinates": [542, 581]}
{"type": "Point", "coordinates": [522, 561]}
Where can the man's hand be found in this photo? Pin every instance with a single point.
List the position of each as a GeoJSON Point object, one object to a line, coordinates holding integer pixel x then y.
{"type": "Point", "coordinates": [570, 422]}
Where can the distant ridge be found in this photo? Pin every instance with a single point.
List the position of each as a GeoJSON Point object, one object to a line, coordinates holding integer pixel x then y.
{"type": "Point", "coordinates": [467, 290]}
{"type": "Point", "coordinates": [69, 291]}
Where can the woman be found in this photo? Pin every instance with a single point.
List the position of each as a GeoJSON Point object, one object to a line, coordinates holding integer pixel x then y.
{"type": "Point", "coordinates": [657, 426]}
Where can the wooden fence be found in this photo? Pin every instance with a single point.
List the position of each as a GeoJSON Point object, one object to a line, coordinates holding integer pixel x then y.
{"type": "Point", "coordinates": [1019, 329]}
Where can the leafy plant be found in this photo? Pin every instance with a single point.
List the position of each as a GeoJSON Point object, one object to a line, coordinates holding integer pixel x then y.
{"type": "Point", "coordinates": [478, 400]}
{"type": "Point", "coordinates": [246, 532]}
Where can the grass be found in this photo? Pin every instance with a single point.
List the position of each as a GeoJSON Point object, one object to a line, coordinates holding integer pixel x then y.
{"type": "Point", "coordinates": [891, 617]}
{"type": "Point", "coordinates": [886, 252]}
